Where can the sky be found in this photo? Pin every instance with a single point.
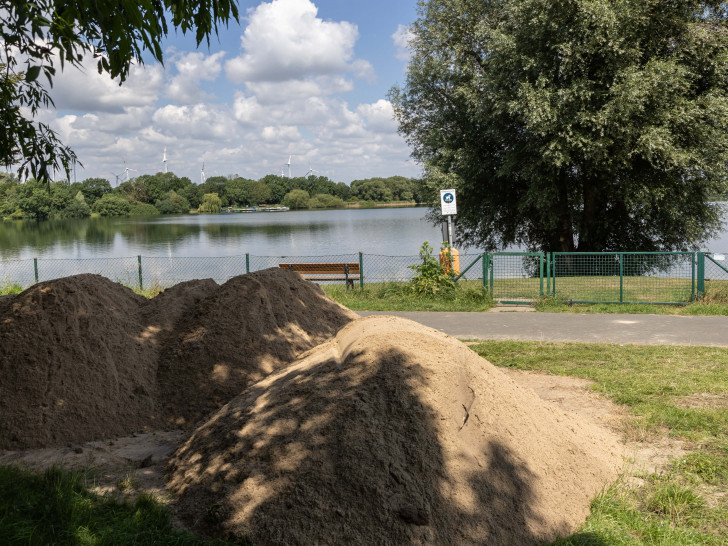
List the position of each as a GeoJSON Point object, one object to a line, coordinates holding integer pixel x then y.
{"type": "Point", "coordinates": [305, 79]}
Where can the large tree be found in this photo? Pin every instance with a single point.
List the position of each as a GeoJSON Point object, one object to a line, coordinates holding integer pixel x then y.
{"type": "Point", "coordinates": [572, 125]}
{"type": "Point", "coordinates": [40, 35]}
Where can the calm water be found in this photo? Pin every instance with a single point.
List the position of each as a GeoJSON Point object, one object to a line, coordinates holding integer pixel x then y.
{"type": "Point", "coordinates": [394, 232]}
{"type": "Point", "coordinates": [390, 232]}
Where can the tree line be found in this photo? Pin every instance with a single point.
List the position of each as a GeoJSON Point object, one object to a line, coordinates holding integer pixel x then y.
{"type": "Point", "coordinates": [166, 193]}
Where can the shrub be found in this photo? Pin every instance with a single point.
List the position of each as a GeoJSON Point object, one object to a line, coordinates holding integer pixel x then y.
{"type": "Point", "coordinates": [431, 277]}
{"type": "Point", "coordinates": [112, 205]}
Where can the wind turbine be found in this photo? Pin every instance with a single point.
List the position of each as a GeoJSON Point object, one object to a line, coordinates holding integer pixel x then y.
{"type": "Point", "coordinates": [289, 165]}
{"type": "Point", "coordinates": [202, 174]}
{"type": "Point", "coordinates": [310, 171]}
{"type": "Point", "coordinates": [127, 169]}
{"type": "Point", "coordinates": [117, 177]}
{"type": "Point", "coordinates": [164, 159]}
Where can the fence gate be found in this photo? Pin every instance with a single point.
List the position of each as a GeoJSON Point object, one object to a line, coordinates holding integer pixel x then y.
{"type": "Point", "coordinates": [516, 277]}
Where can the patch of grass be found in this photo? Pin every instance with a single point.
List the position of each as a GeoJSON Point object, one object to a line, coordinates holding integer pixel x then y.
{"type": "Point", "coordinates": [149, 292]}
{"type": "Point", "coordinates": [56, 508]}
{"type": "Point", "coordinates": [12, 288]}
{"type": "Point", "coordinates": [684, 505]}
{"type": "Point", "coordinates": [401, 297]}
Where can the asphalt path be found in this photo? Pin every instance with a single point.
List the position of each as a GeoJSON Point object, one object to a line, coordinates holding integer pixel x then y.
{"type": "Point", "coordinates": [606, 328]}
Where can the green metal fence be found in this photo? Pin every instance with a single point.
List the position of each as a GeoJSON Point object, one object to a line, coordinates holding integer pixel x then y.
{"type": "Point", "coordinates": [516, 277]}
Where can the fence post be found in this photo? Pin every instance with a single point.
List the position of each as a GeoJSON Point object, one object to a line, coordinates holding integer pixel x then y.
{"type": "Point", "coordinates": [553, 274]}
{"type": "Point", "coordinates": [701, 275]}
{"type": "Point", "coordinates": [247, 262]}
{"type": "Point", "coordinates": [361, 271]}
{"type": "Point", "coordinates": [35, 267]}
{"type": "Point", "coordinates": [621, 278]}
{"type": "Point", "coordinates": [484, 265]}
{"type": "Point", "coordinates": [141, 284]}
{"type": "Point", "coordinates": [540, 262]}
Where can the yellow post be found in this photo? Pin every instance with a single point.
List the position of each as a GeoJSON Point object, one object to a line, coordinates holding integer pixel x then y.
{"type": "Point", "coordinates": [454, 259]}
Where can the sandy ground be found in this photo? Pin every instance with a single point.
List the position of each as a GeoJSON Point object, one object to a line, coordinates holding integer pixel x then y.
{"type": "Point", "coordinates": [136, 464]}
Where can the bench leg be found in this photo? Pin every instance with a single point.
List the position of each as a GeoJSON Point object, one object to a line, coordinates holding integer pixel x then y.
{"type": "Point", "coordinates": [349, 283]}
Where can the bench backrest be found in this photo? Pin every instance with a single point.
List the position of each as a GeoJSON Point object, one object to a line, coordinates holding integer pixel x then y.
{"type": "Point", "coordinates": [323, 268]}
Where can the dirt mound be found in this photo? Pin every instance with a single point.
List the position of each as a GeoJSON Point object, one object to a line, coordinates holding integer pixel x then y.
{"type": "Point", "coordinates": [162, 313]}
{"type": "Point", "coordinates": [73, 363]}
{"type": "Point", "coordinates": [251, 326]}
{"type": "Point", "coordinates": [83, 358]}
{"type": "Point", "coordinates": [391, 433]}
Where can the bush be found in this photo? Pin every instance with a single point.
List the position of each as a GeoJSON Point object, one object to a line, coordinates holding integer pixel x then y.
{"type": "Point", "coordinates": [143, 209]}
{"type": "Point", "coordinates": [77, 208]}
{"type": "Point", "coordinates": [112, 205]}
{"type": "Point", "coordinates": [431, 277]}
{"type": "Point", "coordinates": [325, 201]}
{"type": "Point", "coordinates": [296, 199]}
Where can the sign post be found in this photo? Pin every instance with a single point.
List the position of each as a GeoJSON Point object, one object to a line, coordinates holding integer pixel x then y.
{"type": "Point", "coordinates": [448, 206]}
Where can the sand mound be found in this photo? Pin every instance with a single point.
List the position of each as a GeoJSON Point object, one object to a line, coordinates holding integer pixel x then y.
{"type": "Point", "coordinates": [73, 364]}
{"type": "Point", "coordinates": [391, 433]}
{"type": "Point", "coordinates": [251, 326]}
{"type": "Point", "coordinates": [79, 356]}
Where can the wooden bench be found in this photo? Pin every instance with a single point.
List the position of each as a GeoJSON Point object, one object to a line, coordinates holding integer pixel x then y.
{"type": "Point", "coordinates": [347, 272]}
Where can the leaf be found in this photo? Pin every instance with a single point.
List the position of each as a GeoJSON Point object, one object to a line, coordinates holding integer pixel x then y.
{"type": "Point", "coordinates": [32, 74]}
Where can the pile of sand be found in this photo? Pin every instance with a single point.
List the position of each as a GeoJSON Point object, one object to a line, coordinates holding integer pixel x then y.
{"type": "Point", "coordinates": [84, 358]}
{"type": "Point", "coordinates": [390, 433]}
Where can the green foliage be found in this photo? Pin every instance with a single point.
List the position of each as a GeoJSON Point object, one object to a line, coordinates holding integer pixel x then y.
{"type": "Point", "coordinates": [173, 203]}
{"type": "Point", "coordinates": [211, 204]}
{"type": "Point", "coordinates": [112, 205]}
{"type": "Point", "coordinates": [46, 32]}
{"type": "Point", "coordinates": [325, 201]}
{"type": "Point", "coordinates": [586, 125]}
{"type": "Point", "coordinates": [143, 209]}
{"type": "Point", "coordinates": [432, 278]}
{"type": "Point", "coordinates": [296, 199]}
{"type": "Point", "coordinates": [56, 508]}
{"type": "Point", "coordinates": [77, 208]}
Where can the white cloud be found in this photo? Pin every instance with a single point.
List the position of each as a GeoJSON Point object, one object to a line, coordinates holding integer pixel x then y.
{"type": "Point", "coordinates": [401, 39]}
{"type": "Point", "coordinates": [379, 116]}
{"type": "Point", "coordinates": [85, 89]}
{"type": "Point", "coordinates": [193, 68]}
{"type": "Point", "coordinates": [299, 74]}
{"type": "Point", "coordinates": [286, 40]}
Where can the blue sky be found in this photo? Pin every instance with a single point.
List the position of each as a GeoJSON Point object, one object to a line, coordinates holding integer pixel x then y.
{"type": "Point", "coordinates": [300, 78]}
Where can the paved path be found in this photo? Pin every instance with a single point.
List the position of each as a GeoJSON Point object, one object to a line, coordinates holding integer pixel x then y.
{"type": "Point", "coordinates": [640, 329]}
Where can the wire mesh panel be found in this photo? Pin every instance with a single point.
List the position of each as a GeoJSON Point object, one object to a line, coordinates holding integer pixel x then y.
{"type": "Point", "coordinates": [623, 277]}
{"type": "Point", "coordinates": [470, 267]}
{"type": "Point", "coordinates": [167, 270]}
{"type": "Point", "coordinates": [585, 277]}
{"type": "Point", "coordinates": [122, 270]}
{"type": "Point", "coordinates": [20, 272]}
{"type": "Point", "coordinates": [716, 275]}
{"type": "Point", "coordinates": [517, 275]}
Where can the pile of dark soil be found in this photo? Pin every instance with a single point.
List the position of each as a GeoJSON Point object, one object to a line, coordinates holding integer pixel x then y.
{"type": "Point", "coordinates": [391, 433]}
{"type": "Point", "coordinates": [74, 362]}
{"type": "Point", "coordinates": [83, 358]}
{"type": "Point", "coordinates": [251, 326]}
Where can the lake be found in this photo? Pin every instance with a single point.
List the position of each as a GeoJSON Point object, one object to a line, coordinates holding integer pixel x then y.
{"type": "Point", "coordinates": [385, 231]}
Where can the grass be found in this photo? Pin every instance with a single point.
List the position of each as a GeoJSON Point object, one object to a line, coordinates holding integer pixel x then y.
{"type": "Point", "coordinates": [56, 507]}
{"type": "Point", "coordinates": [400, 297]}
{"type": "Point", "coordinates": [685, 504]}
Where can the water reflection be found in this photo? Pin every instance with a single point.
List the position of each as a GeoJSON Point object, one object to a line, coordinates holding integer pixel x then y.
{"type": "Point", "coordinates": [379, 231]}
